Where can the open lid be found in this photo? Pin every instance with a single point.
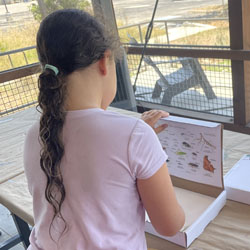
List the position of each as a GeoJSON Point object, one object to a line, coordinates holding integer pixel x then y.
{"type": "Point", "coordinates": [194, 148]}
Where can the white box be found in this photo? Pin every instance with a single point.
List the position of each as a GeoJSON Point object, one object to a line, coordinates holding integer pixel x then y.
{"type": "Point", "coordinates": [195, 164]}
{"type": "Point", "coordinates": [237, 181]}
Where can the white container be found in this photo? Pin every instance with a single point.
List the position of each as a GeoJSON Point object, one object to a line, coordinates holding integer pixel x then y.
{"type": "Point", "coordinates": [195, 164]}
{"type": "Point", "coordinates": [237, 181]}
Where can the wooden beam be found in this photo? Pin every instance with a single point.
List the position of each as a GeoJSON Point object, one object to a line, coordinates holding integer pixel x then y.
{"type": "Point", "coordinates": [20, 72]}
{"type": "Point", "coordinates": [238, 55]}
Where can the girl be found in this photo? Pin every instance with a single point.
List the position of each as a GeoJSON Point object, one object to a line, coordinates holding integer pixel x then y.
{"type": "Point", "coordinates": [90, 171]}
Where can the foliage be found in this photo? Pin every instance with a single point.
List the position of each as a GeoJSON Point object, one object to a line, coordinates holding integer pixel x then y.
{"type": "Point", "coordinates": [52, 6]}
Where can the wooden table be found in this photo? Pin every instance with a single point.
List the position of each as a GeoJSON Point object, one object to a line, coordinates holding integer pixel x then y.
{"type": "Point", "coordinates": [229, 230]}
{"type": "Point", "coordinates": [12, 133]}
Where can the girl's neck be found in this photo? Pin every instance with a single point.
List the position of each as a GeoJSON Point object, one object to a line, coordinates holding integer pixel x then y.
{"type": "Point", "coordinates": [84, 91]}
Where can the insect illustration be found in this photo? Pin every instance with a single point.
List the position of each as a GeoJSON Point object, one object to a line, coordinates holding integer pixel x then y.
{"type": "Point", "coordinates": [207, 165]}
{"type": "Point", "coordinates": [181, 153]}
{"type": "Point", "coordinates": [193, 165]}
{"type": "Point", "coordinates": [186, 144]}
{"type": "Point", "coordinates": [203, 141]}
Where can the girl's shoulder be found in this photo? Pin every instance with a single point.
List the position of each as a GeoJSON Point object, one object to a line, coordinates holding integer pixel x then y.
{"type": "Point", "coordinates": [32, 132]}
{"type": "Point", "coordinates": [132, 124]}
{"type": "Point", "coordinates": [126, 119]}
{"type": "Point", "coordinates": [129, 117]}
{"type": "Point", "coordinates": [124, 115]}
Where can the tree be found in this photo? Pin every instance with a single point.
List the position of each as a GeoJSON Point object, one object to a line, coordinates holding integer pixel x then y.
{"type": "Point", "coordinates": [45, 7]}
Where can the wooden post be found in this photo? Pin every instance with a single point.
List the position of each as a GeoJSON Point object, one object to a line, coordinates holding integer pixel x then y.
{"type": "Point", "coordinates": [104, 12]}
{"type": "Point", "coordinates": [246, 46]}
{"type": "Point", "coordinates": [42, 8]}
{"type": "Point", "coordinates": [236, 43]}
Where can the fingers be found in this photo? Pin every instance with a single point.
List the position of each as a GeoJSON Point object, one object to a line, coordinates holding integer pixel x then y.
{"type": "Point", "coordinates": [160, 128]}
{"type": "Point", "coordinates": [154, 111]}
{"type": "Point", "coordinates": [159, 114]}
{"type": "Point", "coordinates": [151, 118]}
{"type": "Point", "coordinates": [155, 114]}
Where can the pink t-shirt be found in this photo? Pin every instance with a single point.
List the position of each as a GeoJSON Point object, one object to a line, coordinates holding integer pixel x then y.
{"type": "Point", "coordinates": [105, 153]}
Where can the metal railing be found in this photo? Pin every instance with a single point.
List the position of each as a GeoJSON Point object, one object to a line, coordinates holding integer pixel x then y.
{"type": "Point", "coordinates": [24, 58]}
{"type": "Point", "coordinates": [201, 84]}
{"type": "Point", "coordinates": [217, 66]}
{"type": "Point", "coordinates": [167, 24]}
{"type": "Point", "coordinates": [18, 88]}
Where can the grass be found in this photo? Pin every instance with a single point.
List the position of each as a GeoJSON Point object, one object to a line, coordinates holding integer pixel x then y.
{"type": "Point", "coordinates": [215, 10]}
{"type": "Point", "coordinates": [214, 37]}
{"type": "Point", "coordinates": [16, 38]}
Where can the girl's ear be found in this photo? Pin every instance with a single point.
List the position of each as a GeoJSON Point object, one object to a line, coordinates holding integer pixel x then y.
{"type": "Point", "coordinates": [104, 62]}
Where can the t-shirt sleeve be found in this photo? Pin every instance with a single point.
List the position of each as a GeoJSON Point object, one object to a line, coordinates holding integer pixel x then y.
{"type": "Point", "coordinates": [145, 152]}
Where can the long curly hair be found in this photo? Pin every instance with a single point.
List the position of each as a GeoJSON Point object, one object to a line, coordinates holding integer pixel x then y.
{"type": "Point", "coordinates": [70, 40]}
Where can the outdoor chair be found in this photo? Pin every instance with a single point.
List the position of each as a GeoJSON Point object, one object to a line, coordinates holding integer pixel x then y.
{"type": "Point", "coordinates": [189, 75]}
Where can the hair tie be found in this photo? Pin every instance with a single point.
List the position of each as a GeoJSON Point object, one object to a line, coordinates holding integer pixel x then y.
{"type": "Point", "coordinates": [53, 68]}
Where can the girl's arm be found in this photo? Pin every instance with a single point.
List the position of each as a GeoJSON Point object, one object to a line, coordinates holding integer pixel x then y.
{"type": "Point", "coordinates": [160, 202]}
{"type": "Point", "coordinates": [157, 192]}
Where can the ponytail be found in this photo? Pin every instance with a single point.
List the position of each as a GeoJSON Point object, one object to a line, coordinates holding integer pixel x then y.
{"type": "Point", "coordinates": [51, 99]}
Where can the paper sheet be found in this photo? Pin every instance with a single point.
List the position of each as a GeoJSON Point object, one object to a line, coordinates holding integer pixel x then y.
{"type": "Point", "coordinates": [194, 150]}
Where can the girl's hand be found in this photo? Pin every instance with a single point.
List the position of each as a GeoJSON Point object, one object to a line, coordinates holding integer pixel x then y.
{"type": "Point", "coordinates": [151, 118]}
